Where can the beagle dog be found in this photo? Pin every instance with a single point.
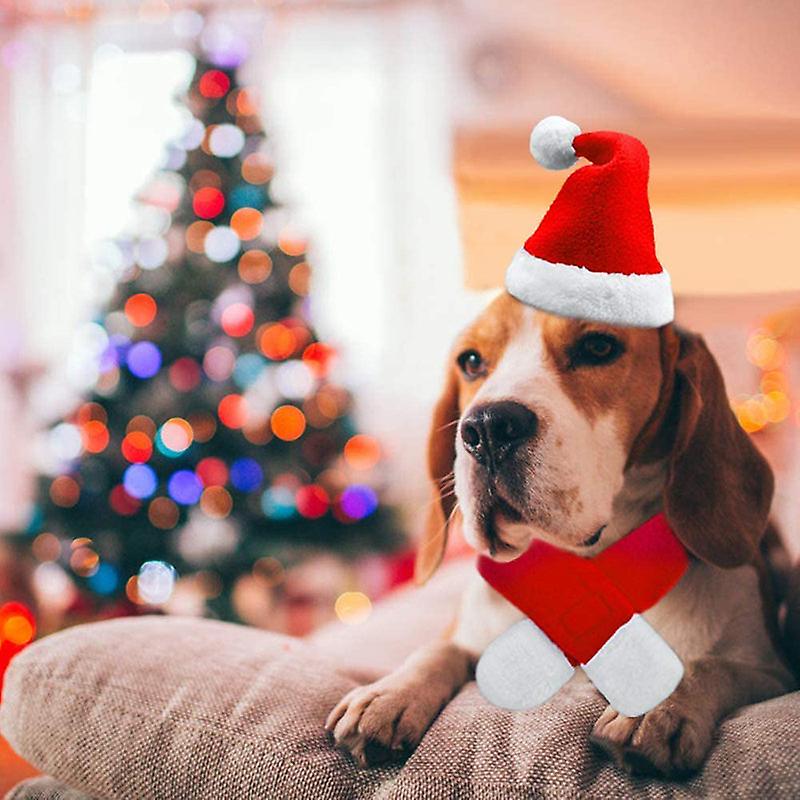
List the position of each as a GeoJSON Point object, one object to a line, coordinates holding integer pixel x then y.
{"type": "Point", "coordinates": [575, 433]}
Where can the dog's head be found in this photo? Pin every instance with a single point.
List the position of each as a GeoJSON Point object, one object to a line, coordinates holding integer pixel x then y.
{"type": "Point", "coordinates": [548, 426]}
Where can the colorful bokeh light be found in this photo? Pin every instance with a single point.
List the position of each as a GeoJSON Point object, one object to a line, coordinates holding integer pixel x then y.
{"type": "Point", "coordinates": [288, 423]}
{"type": "Point", "coordinates": [237, 320]}
{"type": "Point", "coordinates": [318, 357]}
{"type": "Point", "coordinates": [255, 266]}
{"type": "Point", "coordinates": [176, 434]}
{"type": "Point", "coordinates": [352, 608]}
{"type": "Point", "coordinates": [212, 471]}
{"type": "Point", "coordinates": [95, 436]}
{"type": "Point", "coordinates": [163, 513]}
{"type": "Point", "coordinates": [137, 447]}
{"type": "Point", "coordinates": [312, 501]}
{"type": "Point", "coordinates": [362, 452]}
{"type": "Point", "coordinates": [185, 374]}
{"type": "Point", "coordinates": [277, 341]}
{"type": "Point", "coordinates": [246, 474]}
{"type": "Point", "coordinates": [277, 503]}
{"type": "Point", "coordinates": [143, 359]}
{"type": "Point", "coordinates": [207, 203]}
{"type": "Point", "coordinates": [140, 481]}
{"type": "Point", "coordinates": [216, 502]}
{"type": "Point", "coordinates": [214, 84]}
{"type": "Point", "coordinates": [358, 501]}
{"type": "Point", "coordinates": [247, 222]}
{"type": "Point", "coordinates": [185, 487]}
{"type": "Point", "coordinates": [122, 503]}
{"type": "Point", "coordinates": [141, 309]}
{"type": "Point", "coordinates": [232, 411]}
{"type": "Point", "coordinates": [65, 491]}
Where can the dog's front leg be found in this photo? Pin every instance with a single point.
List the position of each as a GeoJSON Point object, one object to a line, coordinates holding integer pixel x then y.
{"type": "Point", "coordinates": [387, 719]}
{"type": "Point", "coordinates": [674, 738]}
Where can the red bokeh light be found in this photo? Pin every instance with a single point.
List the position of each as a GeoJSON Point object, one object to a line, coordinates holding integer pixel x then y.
{"type": "Point", "coordinates": [237, 319]}
{"type": "Point", "coordinates": [184, 374]}
{"type": "Point", "coordinates": [208, 202]}
{"type": "Point", "coordinates": [141, 309]}
{"type": "Point", "coordinates": [137, 447]}
{"type": "Point", "coordinates": [312, 501]}
{"type": "Point", "coordinates": [212, 471]}
{"type": "Point", "coordinates": [317, 357]}
{"type": "Point", "coordinates": [232, 411]}
{"type": "Point", "coordinates": [122, 503]}
{"type": "Point", "coordinates": [214, 84]}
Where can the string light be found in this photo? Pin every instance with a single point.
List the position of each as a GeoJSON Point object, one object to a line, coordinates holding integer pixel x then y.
{"type": "Point", "coordinates": [214, 84]}
{"type": "Point", "coordinates": [141, 310]}
{"type": "Point", "coordinates": [163, 513]}
{"type": "Point", "coordinates": [139, 481]}
{"type": "Point", "coordinates": [232, 411]}
{"type": "Point", "coordinates": [176, 434]}
{"type": "Point", "coordinates": [277, 341]}
{"type": "Point", "coordinates": [212, 471]}
{"type": "Point", "coordinates": [185, 487]}
{"type": "Point", "coordinates": [155, 582]}
{"type": "Point", "coordinates": [95, 436]}
{"type": "Point", "coordinates": [353, 608]}
{"type": "Point", "coordinates": [362, 452]}
{"type": "Point", "coordinates": [185, 374]}
{"type": "Point", "coordinates": [255, 266]}
{"type": "Point", "coordinates": [221, 244]}
{"type": "Point", "coordinates": [65, 491]}
{"type": "Point", "coordinates": [219, 362]}
{"type": "Point", "coordinates": [216, 502]}
{"type": "Point", "coordinates": [772, 404]}
{"type": "Point", "coordinates": [246, 474]}
{"type": "Point", "coordinates": [144, 359]}
{"type": "Point", "coordinates": [123, 503]}
{"type": "Point", "coordinates": [208, 203]}
{"type": "Point", "coordinates": [312, 501]}
{"type": "Point", "coordinates": [288, 423]}
{"type": "Point", "coordinates": [237, 320]}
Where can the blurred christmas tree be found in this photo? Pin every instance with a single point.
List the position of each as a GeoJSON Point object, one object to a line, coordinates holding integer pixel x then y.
{"type": "Point", "coordinates": [215, 446]}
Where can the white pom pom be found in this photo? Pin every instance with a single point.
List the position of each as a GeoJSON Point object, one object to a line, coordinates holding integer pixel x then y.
{"type": "Point", "coordinates": [551, 142]}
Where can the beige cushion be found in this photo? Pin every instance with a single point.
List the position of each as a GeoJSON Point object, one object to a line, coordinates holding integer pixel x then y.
{"type": "Point", "coordinates": [177, 708]}
{"type": "Point", "coordinates": [45, 789]}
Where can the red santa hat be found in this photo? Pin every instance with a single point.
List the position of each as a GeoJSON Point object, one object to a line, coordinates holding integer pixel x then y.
{"type": "Point", "coordinates": [593, 255]}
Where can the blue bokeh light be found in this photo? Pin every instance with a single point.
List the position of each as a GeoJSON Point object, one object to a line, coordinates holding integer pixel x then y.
{"type": "Point", "coordinates": [140, 481]}
{"type": "Point", "coordinates": [246, 474]}
{"type": "Point", "coordinates": [105, 580]}
{"type": "Point", "coordinates": [277, 502]}
{"type": "Point", "coordinates": [247, 369]}
{"type": "Point", "coordinates": [358, 501]}
{"type": "Point", "coordinates": [185, 487]}
{"type": "Point", "coordinates": [144, 359]}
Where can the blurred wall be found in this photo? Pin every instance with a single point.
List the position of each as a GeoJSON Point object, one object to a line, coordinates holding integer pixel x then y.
{"type": "Point", "coordinates": [375, 111]}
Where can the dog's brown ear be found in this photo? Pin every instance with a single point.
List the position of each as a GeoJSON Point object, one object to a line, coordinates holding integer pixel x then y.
{"type": "Point", "coordinates": [719, 488]}
{"type": "Point", "coordinates": [441, 457]}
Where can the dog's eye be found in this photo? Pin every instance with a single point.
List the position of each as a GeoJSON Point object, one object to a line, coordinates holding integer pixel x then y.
{"type": "Point", "coordinates": [594, 349]}
{"type": "Point", "coordinates": [471, 364]}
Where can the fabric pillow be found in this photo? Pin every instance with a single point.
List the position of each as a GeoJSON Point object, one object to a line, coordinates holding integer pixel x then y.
{"type": "Point", "coordinates": [178, 708]}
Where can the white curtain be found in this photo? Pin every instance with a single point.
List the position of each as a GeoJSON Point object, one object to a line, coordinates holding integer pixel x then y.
{"type": "Point", "coordinates": [41, 228]}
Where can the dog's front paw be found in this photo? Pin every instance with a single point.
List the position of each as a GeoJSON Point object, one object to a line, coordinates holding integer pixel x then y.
{"type": "Point", "coordinates": [672, 740]}
{"type": "Point", "coordinates": [383, 721]}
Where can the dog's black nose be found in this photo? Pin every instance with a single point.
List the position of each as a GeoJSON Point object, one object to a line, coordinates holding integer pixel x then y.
{"type": "Point", "coordinates": [492, 431]}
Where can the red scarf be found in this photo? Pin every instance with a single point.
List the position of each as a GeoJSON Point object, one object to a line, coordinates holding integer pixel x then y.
{"type": "Point", "coordinates": [580, 602]}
